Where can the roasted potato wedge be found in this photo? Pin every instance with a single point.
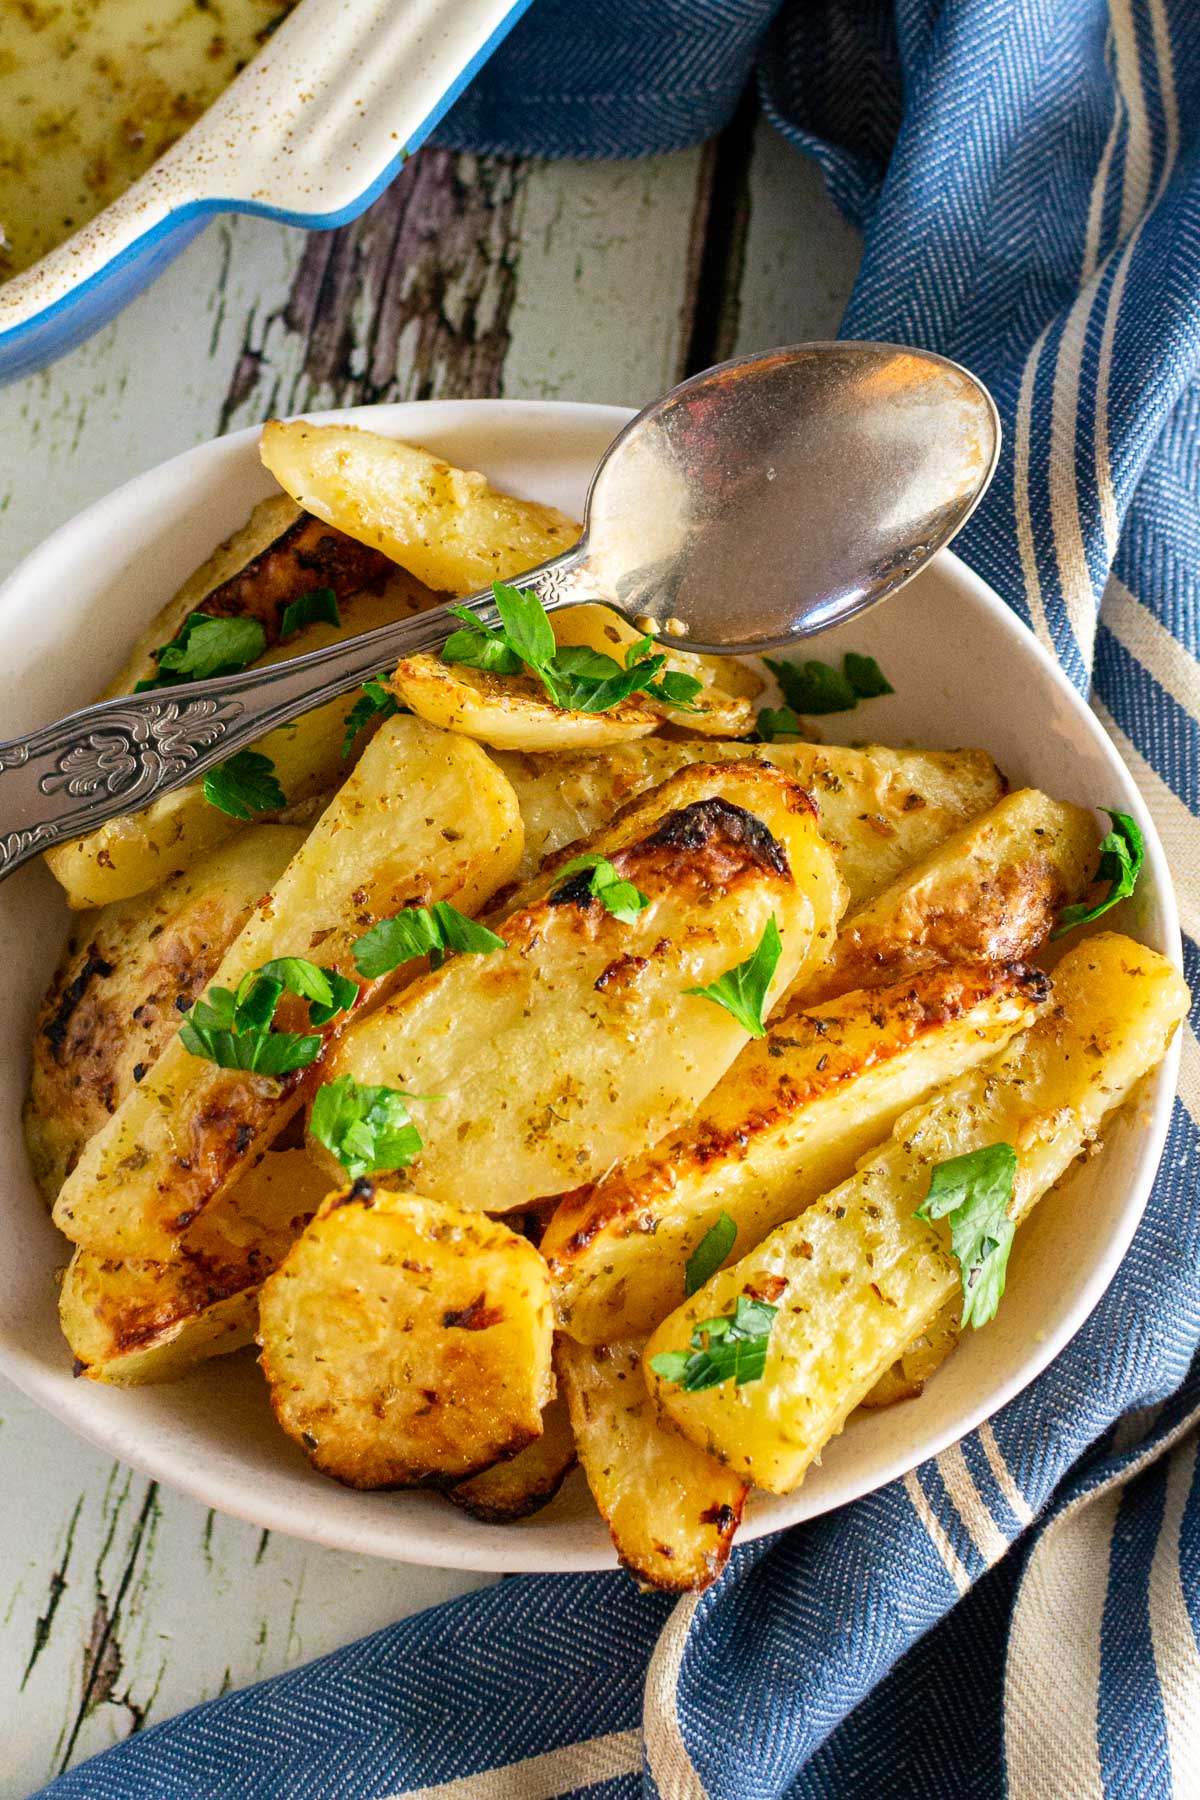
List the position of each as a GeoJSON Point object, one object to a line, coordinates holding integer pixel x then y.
{"type": "Point", "coordinates": [189, 1129]}
{"type": "Point", "coordinates": [989, 893]}
{"type": "Point", "coordinates": [534, 1048]}
{"type": "Point", "coordinates": [510, 712]}
{"type": "Point", "coordinates": [881, 809]}
{"type": "Point", "coordinates": [116, 995]}
{"type": "Point", "coordinates": [405, 1342]}
{"type": "Point", "coordinates": [128, 856]}
{"type": "Point", "coordinates": [672, 1511]}
{"type": "Point", "coordinates": [722, 710]}
{"type": "Point", "coordinates": [130, 1321]}
{"type": "Point", "coordinates": [858, 1277]}
{"type": "Point", "coordinates": [447, 526]}
{"type": "Point", "coordinates": [906, 1378]}
{"type": "Point", "coordinates": [279, 554]}
{"type": "Point", "coordinates": [788, 1121]}
{"type": "Point", "coordinates": [526, 1482]}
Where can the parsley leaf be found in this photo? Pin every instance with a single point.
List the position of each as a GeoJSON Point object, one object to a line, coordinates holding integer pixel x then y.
{"type": "Point", "coordinates": [865, 676]}
{"type": "Point", "coordinates": [776, 722]}
{"type": "Point", "coordinates": [421, 931]}
{"type": "Point", "coordinates": [374, 700]}
{"type": "Point", "coordinates": [709, 1253]}
{"type": "Point", "coordinates": [203, 647]}
{"type": "Point", "coordinates": [734, 1345]}
{"type": "Point", "coordinates": [1122, 853]}
{"type": "Point", "coordinates": [245, 785]}
{"type": "Point", "coordinates": [365, 1128]}
{"type": "Point", "coordinates": [973, 1193]}
{"type": "Point", "coordinates": [306, 609]}
{"type": "Point", "coordinates": [621, 898]}
{"type": "Point", "coordinates": [576, 677]}
{"type": "Point", "coordinates": [327, 992]}
{"type": "Point", "coordinates": [817, 687]}
{"type": "Point", "coordinates": [234, 1028]}
{"type": "Point", "coordinates": [742, 990]}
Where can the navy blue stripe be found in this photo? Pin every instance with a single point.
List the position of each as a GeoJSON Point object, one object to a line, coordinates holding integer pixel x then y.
{"type": "Point", "coordinates": [1157, 726]}
{"type": "Point", "coordinates": [1131, 1725]}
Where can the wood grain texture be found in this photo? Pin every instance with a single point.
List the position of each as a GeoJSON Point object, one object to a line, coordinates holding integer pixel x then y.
{"type": "Point", "coordinates": [121, 1603]}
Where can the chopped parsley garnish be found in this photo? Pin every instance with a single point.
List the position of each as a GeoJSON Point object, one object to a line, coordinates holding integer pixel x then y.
{"type": "Point", "coordinates": [1122, 853]}
{"type": "Point", "coordinates": [777, 722]}
{"type": "Point", "coordinates": [576, 677]}
{"type": "Point", "coordinates": [375, 702]}
{"type": "Point", "coordinates": [203, 647]}
{"type": "Point", "coordinates": [817, 687]}
{"type": "Point", "coordinates": [365, 1128]}
{"type": "Point", "coordinates": [619, 897]}
{"type": "Point", "coordinates": [973, 1193]}
{"type": "Point", "coordinates": [233, 1028]}
{"type": "Point", "coordinates": [742, 990]}
{"type": "Point", "coordinates": [421, 931]}
{"type": "Point", "coordinates": [306, 609]}
{"type": "Point", "coordinates": [709, 1253]}
{"type": "Point", "coordinates": [733, 1346]}
{"type": "Point", "coordinates": [244, 785]}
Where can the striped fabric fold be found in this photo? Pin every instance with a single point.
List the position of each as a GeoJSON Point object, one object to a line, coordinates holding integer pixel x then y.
{"type": "Point", "coordinates": [1020, 1615]}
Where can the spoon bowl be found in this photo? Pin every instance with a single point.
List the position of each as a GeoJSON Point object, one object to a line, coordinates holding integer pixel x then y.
{"type": "Point", "coordinates": [761, 501]}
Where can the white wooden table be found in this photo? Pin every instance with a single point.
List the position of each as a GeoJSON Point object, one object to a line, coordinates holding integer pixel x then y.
{"type": "Point", "coordinates": [120, 1602]}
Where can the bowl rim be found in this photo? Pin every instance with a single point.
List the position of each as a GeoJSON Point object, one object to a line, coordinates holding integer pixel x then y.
{"type": "Point", "coordinates": [226, 1487]}
{"type": "Point", "coordinates": [71, 273]}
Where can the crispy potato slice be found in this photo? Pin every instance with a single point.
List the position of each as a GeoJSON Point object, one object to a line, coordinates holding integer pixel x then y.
{"type": "Point", "coordinates": [189, 1129]}
{"type": "Point", "coordinates": [115, 998]}
{"type": "Point", "coordinates": [906, 1378]}
{"type": "Point", "coordinates": [671, 1509]}
{"type": "Point", "coordinates": [510, 712]}
{"type": "Point", "coordinates": [130, 1321]}
{"type": "Point", "coordinates": [722, 710]}
{"type": "Point", "coordinates": [578, 1044]}
{"type": "Point", "coordinates": [406, 1342]}
{"type": "Point", "coordinates": [279, 554]}
{"type": "Point", "coordinates": [858, 1276]}
{"type": "Point", "coordinates": [989, 893]}
{"type": "Point", "coordinates": [528, 1481]}
{"type": "Point", "coordinates": [130, 855]}
{"type": "Point", "coordinates": [880, 808]}
{"type": "Point", "coordinates": [447, 526]}
{"type": "Point", "coordinates": [789, 1120]}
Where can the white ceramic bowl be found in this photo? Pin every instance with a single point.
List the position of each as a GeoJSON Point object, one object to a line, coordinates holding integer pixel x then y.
{"type": "Point", "coordinates": [965, 672]}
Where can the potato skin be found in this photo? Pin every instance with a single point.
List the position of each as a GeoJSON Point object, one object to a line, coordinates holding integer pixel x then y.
{"type": "Point", "coordinates": [791, 1117]}
{"type": "Point", "coordinates": [671, 1509]}
{"type": "Point", "coordinates": [405, 1343]}
{"type": "Point", "coordinates": [133, 1320]}
{"type": "Point", "coordinates": [126, 974]}
{"type": "Point", "coordinates": [539, 1050]}
{"type": "Point", "coordinates": [858, 1277]}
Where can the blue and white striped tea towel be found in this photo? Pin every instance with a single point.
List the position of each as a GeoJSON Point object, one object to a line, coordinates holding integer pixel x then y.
{"type": "Point", "coordinates": [1027, 173]}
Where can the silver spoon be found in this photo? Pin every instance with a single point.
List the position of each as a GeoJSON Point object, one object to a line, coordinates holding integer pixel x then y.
{"type": "Point", "coordinates": [763, 500]}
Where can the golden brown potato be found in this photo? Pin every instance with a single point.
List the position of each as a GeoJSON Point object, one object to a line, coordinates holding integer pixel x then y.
{"type": "Point", "coordinates": [526, 1482]}
{"type": "Point", "coordinates": [279, 554]}
{"type": "Point", "coordinates": [405, 1342]}
{"type": "Point", "coordinates": [787, 1122]}
{"type": "Point", "coordinates": [990, 893]}
{"type": "Point", "coordinates": [858, 1277]}
{"type": "Point", "coordinates": [447, 526]}
{"type": "Point", "coordinates": [130, 1321]}
{"type": "Point", "coordinates": [125, 975]}
{"type": "Point", "coordinates": [906, 1378]}
{"type": "Point", "coordinates": [578, 1043]}
{"type": "Point", "coordinates": [130, 855]}
{"type": "Point", "coordinates": [881, 809]}
{"type": "Point", "coordinates": [510, 712]}
{"type": "Point", "coordinates": [672, 1511]}
{"type": "Point", "coordinates": [179, 1140]}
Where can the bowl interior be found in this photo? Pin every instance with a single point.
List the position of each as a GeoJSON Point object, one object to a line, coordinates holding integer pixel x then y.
{"type": "Point", "coordinates": [965, 672]}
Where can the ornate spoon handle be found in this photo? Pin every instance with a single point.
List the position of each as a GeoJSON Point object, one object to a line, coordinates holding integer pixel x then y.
{"type": "Point", "coordinates": [114, 758]}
